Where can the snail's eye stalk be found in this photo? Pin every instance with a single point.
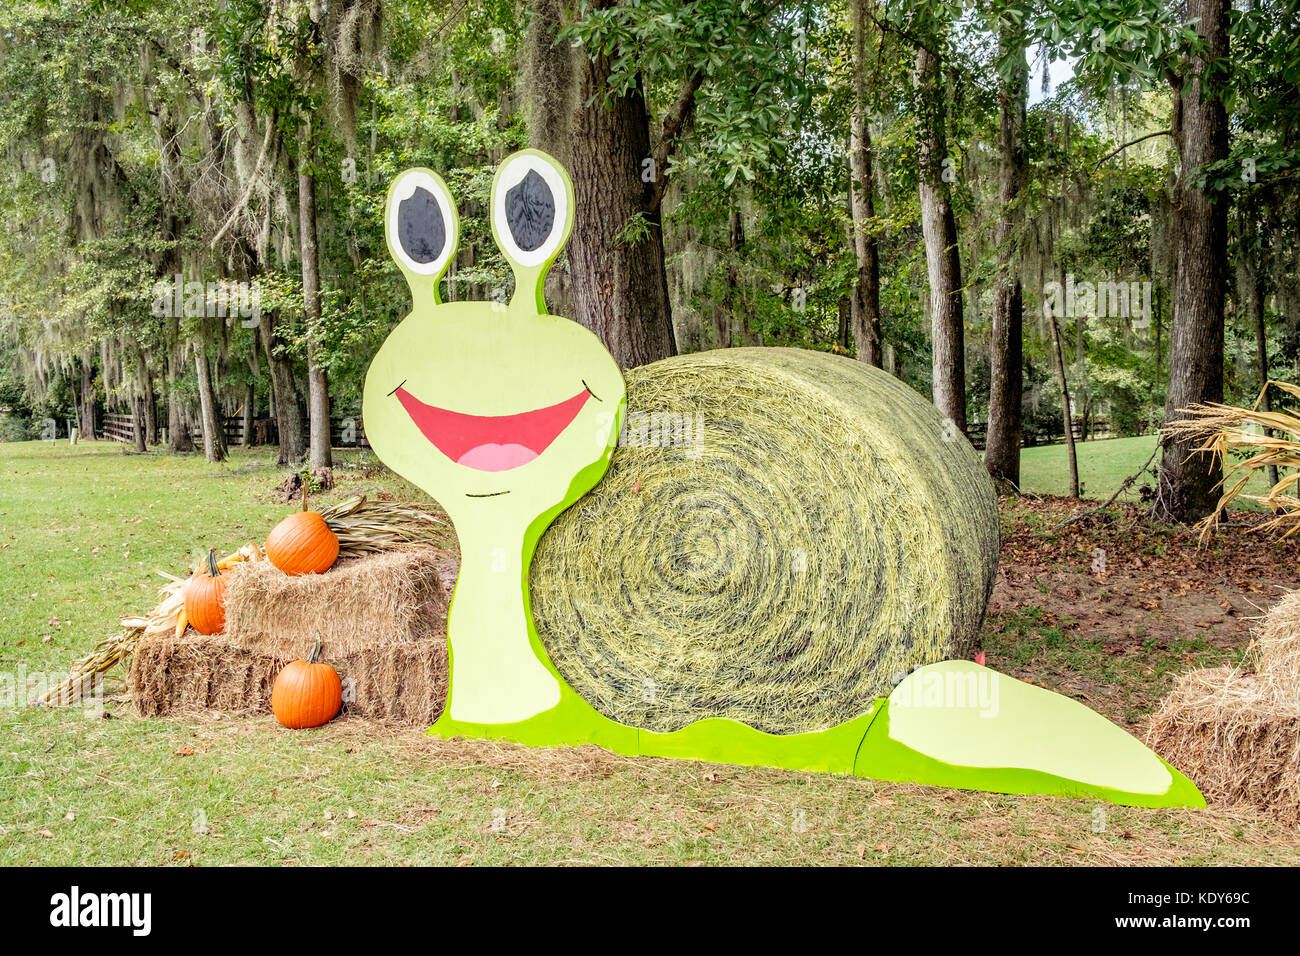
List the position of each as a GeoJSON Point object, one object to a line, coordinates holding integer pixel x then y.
{"type": "Point", "coordinates": [422, 229]}
{"type": "Point", "coordinates": [532, 216]}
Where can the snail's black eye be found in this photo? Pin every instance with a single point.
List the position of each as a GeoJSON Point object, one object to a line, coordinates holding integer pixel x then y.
{"type": "Point", "coordinates": [420, 227]}
{"type": "Point", "coordinates": [530, 211]}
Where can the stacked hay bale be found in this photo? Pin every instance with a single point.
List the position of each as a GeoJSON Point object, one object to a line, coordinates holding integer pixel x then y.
{"type": "Point", "coordinates": [382, 621]}
{"type": "Point", "coordinates": [781, 535]}
{"type": "Point", "coordinates": [1236, 731]}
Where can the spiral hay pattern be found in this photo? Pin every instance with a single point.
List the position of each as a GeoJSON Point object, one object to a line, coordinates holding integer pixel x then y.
{"type": "Point", "coordinates": [781, 534]}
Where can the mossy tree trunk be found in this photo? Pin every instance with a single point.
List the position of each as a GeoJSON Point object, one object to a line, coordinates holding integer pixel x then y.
{"type": "Point", "coordinates": [1067, 419]}
{"type": "Point", "coordinates": [1006, 346]}
{"type": "Point", "coordinates": [86, 427]}
{"type": "Point", "coordinates": [1187, 480]}
{"type": "Point", "coordinates": [616, 254]}
{"type": "Point", "coordinates": [942, 256]}
{"type": "Point", "coordinates": [318, 398]}
{"type": "Point", "coordinates": [288, 416]}
{"type": "Point", "coordinates": [865, 301]}
{"type": "Point", "coordinates": [214, 441]}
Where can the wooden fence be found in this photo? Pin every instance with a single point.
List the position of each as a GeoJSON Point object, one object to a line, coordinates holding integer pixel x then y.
{"type": "Point", "coordinates": [978, 433]}
{"type": "Point", "coordinates": [345, 431]}
{"type": "Point", "coordinates": [117, 427]}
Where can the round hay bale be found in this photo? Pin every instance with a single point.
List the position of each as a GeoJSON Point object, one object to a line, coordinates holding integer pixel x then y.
{"type": "Point", "coordinates": [780, 535]}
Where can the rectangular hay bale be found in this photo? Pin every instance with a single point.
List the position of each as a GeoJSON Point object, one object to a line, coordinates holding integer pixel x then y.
{"type": "Point", "coordinates": [402, 681]}
{"type": "Point", "coordinates": [1229, 733]}
{"type": "Point", "coordinates": [391, 597]}
{"type": "Point", "coordinates": [381, 618]}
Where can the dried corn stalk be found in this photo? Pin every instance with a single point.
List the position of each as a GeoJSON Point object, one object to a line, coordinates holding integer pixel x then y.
{"type": "Point", "coordinates": [1227, 429]}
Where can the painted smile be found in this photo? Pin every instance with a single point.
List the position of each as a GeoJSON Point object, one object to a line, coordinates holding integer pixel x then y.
{"type": "Point", "coordinates": [492, 442]}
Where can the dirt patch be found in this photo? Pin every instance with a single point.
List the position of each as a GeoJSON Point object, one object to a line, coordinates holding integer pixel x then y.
{"type": "Point", "coordinates": [1145, 597]}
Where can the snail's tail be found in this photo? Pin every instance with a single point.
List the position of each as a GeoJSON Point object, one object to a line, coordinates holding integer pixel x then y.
{"type": "Point", "coordinates": [957, 724]}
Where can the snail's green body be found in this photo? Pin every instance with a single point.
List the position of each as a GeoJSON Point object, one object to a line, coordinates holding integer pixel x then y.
{"type": "Point", "coordinates": [508, 415]}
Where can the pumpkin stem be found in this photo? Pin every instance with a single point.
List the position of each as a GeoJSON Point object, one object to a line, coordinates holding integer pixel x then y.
{"type": "Point", "coordinates": [212, 562]}
{"type": "Point", "coordinates": [315, 652]}
{"type": "Point", "coordinates": [306, 480]}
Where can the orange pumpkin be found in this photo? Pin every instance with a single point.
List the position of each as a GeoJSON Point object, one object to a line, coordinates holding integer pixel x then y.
{"type": "Point", "coordinates": [205, 598]}
{"type": "Point", "coordinates": [302, 543]}
{"type": "Point", "coordinates": [307, 693]}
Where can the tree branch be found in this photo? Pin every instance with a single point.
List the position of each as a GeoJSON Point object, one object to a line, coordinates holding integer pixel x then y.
{"type": "Point", "coordinates": [1120, 149]}
{"type": "Point", "coordinates": [675, 123]}
{"type": "Point", "coordinates": [1124, 486]}
{"type": "Point", "coordinates": [252, 182]}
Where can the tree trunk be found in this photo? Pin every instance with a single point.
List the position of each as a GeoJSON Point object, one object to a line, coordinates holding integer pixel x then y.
{"type": "Point", "coordinates": [137, 421]}
{"type": "Point", "coordinates": [214, 442]}
{"type": "Point", "coordinates": [942, 257]}
{"type": "Point", "coordinates": [1261, 350]}
{"type": "Point", "coordinates": [865, 303]}
{"type": "Point", "coordinates": [141, 393]}
{"type": "Point", "coordinates": [178, 432]}
{"type": "Point", "coordinates": [1002, 450]}
{"type": "Point", "coordinates": [250, 394]}
{"type": "Point", "coordinates": [151, 419]}
{"type": "Point", "coordinates": [250, 399]}
{"type": "Point", "coordinates": [87, 415]}
{"type": "Point", "coordinates": [620, 285]}
{"type": "Point", "coordinates": [725, 317]}
{"type": "Point", "coordinates": [1066, 417]}
{"type": "Point", "coordinates": [288, 416]}
{"type": "Point", "coordinates": [317, 385]}
{"type": "Point", "coordinates": [1187, 480]}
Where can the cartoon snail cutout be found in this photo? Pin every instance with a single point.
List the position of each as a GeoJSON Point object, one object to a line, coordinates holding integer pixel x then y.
{"type": "Point", "coordinates": [508, 415]}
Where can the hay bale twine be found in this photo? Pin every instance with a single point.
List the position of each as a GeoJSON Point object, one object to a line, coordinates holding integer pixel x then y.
{"type": "Point", "coordinates": [781, 533]}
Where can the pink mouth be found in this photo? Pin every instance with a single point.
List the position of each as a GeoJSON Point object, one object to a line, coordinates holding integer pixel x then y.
{"type": "Point", "coordinates": [492, 442]}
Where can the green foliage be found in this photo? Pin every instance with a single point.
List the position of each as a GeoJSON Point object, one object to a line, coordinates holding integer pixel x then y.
{"type": "Point", "coordinates": [140, 113]}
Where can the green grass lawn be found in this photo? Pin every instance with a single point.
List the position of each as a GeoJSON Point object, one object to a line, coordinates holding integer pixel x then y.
{"type": "Point", "coordinates": [82, 530]}
{"type": "Point", "coordinates": [1103, 466]}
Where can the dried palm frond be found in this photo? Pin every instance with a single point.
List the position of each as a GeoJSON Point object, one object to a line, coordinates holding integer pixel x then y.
{"type": "Point", "coordinates": [363, 527]}
{"type": "Point", "coordinates": [1225, 429]}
